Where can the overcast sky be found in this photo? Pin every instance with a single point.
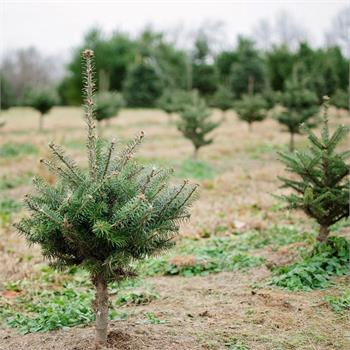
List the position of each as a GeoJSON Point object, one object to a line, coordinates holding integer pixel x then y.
{"type": "Point", "coordinates": [54, 27]}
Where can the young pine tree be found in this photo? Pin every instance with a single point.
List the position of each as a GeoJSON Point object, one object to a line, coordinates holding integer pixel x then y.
{"type": "Point", "coordinates": [251, 108]}
{"type": "Point", "coordinates": [42, 101]}
{"type": "Point", "coordinates": [195, 123]}
{"type": "Point", "coordinates": [167, 102]}
{"type": "Point", "coordinates": [107, 105]}
{"type": "Point", "coordinates": [222, 99]}
{"type": "Point", "coordinates": [322, 183]}
{"type": "Point", "coordinates": [300, 107]}
{"type": "Point", "coordinates": [106, 218]}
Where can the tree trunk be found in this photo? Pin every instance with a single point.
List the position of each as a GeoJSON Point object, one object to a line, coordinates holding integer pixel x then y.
{"type": "Point", "coordinates": [223, 115]}
{"type": "Point", "coordinates": [101, 310]}
{"type": "Point", "coordinates": [323, 234]}
{"type": "Point", "coordinates": [195, 153]}
{"type": "Point", "coordinates": [250, 127]}
{"type": "Point", "coordinates": [250, 85]}
{"type": "Point", "coordinates": [291, 144]}
{"type": "Point", "coordinates": [41, 122]}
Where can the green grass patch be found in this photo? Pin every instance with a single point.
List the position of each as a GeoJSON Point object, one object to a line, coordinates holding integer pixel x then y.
{"type": "Point", "coordinates": [315, 270]}
{"type": "Point", "coordinates": [195, 169]}
{"type": "Point", "coordinates": [8, 206]}
{"type": "Point", "coordinates": [339, 303]}
{"type": "Point", "coordinates": [10, 182]}
{"type": "Point", "coordinates": [13, 150]}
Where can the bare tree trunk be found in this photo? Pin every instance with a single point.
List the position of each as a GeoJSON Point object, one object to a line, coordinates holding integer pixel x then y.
{"type": "Point", "coordinates": [101, 310]}
{"type": "Point", "coordinates": [41, 122]}
{"type": "Point", "coordinates": [323, 234]}
{"type": "Point", "coordinates": [250, 127]}
{"type": "Point", "coordinates": [291, 144]}
{"type": "Point", "coordinates": [195, 153]}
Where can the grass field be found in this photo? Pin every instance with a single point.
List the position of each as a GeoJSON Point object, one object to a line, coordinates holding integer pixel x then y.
{"type": "Point", "coordinates": [213, 290]}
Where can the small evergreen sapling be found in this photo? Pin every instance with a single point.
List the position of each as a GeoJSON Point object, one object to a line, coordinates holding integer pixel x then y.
{"type": "Point", "coordinates": [195, 123]}
{"type": "Point", "coordinates": [322, 187]}
{"type": "Point", "coordinates": [107, 105]}
{"type": "Point", "coordinates": [42, 101]}
{"type": "Point", "coordinates": [300, 107]}
{"type": "Point", "coordinates": [107, 218]}
{"type": "Point", "coordinates": [251, 108]}
{"type": "Point", "coordinates": [222, 99]}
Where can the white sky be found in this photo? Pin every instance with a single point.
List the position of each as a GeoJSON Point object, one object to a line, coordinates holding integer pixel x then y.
{"type": "Point", "coordinates": [54, 27]}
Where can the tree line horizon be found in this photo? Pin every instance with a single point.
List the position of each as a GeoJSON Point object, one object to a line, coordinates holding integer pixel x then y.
{"type": "Point", "coordinates": [143, 68]}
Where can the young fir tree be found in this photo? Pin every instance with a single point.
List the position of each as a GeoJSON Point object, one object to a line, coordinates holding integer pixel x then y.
{"type": "Point", "coordinates": [108, 217]}
{"type": "Point", "coordinates": [222, 99]}
{"type": "Point", "coordinates": [167, 102]}
{"type": "Point", "coordinates": [107, 105]}
{"type": "Point", "coordinates": [195, 123]}
{"type": "Point", "coordinates": [251, 108]}
{"type": "Point", "coordinates": [42, 101]}
{"type": "Point", "coordinates": [322, 183]}
{"type": "Point", "coordinates": [300, 107]}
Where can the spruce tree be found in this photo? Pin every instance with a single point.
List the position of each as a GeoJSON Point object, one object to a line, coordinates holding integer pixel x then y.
{"type": "Point", "coordinates": [321, 184]}
{"type": "Point", "coordinates": [222, 99]}
{"type": "Point", "coordinates": [42, 101]}
{"type": "Point", "coordinates": [167, 102]}
{"type": "Point", "coordinates": [107, 105]}
{"type": "Point", "coordinates": [300, 106]}
{"type": "Point", "coordinates": [106, 218]}
{"type": "Point", "coordinates": [195, 122]}
{"type": "Point", "coordinates": [251, 108]}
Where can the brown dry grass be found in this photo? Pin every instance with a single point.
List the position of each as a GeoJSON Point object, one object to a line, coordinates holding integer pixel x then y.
{"type": "Point", "coordinates": [200, 312]}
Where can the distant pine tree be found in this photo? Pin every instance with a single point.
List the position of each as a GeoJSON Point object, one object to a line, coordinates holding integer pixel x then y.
{"type": "Point", "coordinates": [251, 108]}
{"type": "Point", "coordinates": [108, 217]}
{"type": "Point", "coordinates": [108, 105]}
{"type": "Point", "coordinates": [195, 123]}
{"type": "Point", "coordinates": [322, 184]}
{"type": "Point", "coordinates": [222, 99]}
{"type": "Point", "coordinates": [300, 105]}
{"type": "Point", "coordinates": [42, 101]}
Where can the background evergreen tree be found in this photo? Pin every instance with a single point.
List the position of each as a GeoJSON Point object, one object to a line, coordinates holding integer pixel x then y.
{"type": "Point", "coordinates": [143, 86]}
{"type": "Point", "coordinates": [251, 108]}
{"type": "Point", "coordinates": [300, 106]}
{"type": "Point", "coordinates": [248, 74]}
{"type": "Point", "coordinates": [322, 185]}
{"type": "Point", "coordinates": [222, 99]}
{"type": "Point", "coordinates": [108, 217]}
{"type": "Point", "coordinates": [42, 101]}
{"type": "Point", "coordinates": [340, 99]}
{"type": "Point", "coordinates": [108, 105]}
{"type": "Point", "coordinates": [195, 123]}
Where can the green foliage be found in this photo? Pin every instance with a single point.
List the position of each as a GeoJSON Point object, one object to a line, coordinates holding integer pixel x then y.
{"type": "Point", "coordinates": [137, 297]}
{"type": "Point", "coordinates": [50, 310]}
{"type": "Point", "coordinates": [251, 108]}
{"type": "Point", "coordinates": [327, 259]}
{"type": "Point", "coordinates": [322, 184]}
{"type": "Point", "coordinates": [205, 78]}
{"type": "Point", "coordinates": [108, 105]}
{"type": "Point", "coordinates": [247, 72]}
{"type": "Point", "coordinates": [42, 100]}
{"type": "Point", "coordinates": [106, 218]}
{"type": "Point", "coordinates": [7, 95]}
{"type": "Point", "coordinates": [13, 150]}
{"type": "Point", "coordinates": [143, 86]}
{"type": "Point", "coordinates": [195, 123]}
{"type": "Point", "coordinates": [222, 99]}
{"type": "Point", "coordinates": [340, 99]}
{"type": "Point", "coordinates": [300, 107]}
{"type": "Point", "coordinates": [339, 303]}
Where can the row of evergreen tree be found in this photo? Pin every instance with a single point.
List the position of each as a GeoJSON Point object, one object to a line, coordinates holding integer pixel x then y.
{"type": "Point", "coordinates": [142, 68]}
